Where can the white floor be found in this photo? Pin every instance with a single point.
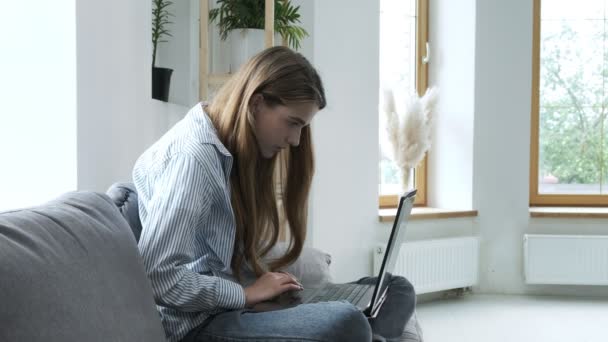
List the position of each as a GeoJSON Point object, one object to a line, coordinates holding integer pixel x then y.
{"type": "Point", "coordinates": [477, 318]}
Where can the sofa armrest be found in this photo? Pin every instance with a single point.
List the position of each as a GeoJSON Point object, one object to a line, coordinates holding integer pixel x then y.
{"type": "Point", "coordinates": [70, 271]}
{"type": "Point", "coordinates": [124, 195]}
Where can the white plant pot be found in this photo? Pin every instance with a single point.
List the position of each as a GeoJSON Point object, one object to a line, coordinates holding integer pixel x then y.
{"type": "Point", "coordinates": [244, 44]}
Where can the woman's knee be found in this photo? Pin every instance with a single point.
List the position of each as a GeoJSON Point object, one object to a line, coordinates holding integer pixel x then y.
{"type": "Point", "coordinates": [403, 285]}
{"type": "Point", "coordinates": [347, 323]}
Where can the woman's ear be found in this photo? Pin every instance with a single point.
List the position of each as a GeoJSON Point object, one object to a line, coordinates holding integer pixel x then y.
{"type": "Point", "coordinates": [255, 103]}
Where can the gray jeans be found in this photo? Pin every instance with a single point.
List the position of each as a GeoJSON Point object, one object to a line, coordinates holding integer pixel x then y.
{"type": "Point", "coordinates": [321, 322]}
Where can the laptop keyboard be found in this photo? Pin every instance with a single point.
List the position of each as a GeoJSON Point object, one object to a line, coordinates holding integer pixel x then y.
{"type": "Point", "coordinates": [349, 292]}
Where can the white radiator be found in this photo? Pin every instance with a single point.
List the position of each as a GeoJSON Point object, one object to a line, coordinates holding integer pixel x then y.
{"type": "Point", "coordinates": [436, 265]}
{"type": "Point", "coordinates": [566, 259]}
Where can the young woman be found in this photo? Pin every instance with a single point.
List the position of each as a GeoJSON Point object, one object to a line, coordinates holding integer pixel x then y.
{"type": "Point", "coordinates": [209, 213]}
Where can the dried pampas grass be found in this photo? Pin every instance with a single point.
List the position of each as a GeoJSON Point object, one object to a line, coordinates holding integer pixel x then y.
{"type": "Point", "coordinates": [409, 131]}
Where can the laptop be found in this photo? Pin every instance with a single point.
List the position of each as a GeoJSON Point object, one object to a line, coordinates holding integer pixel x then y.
{"type": "Point", "coordinates": [367, 298]}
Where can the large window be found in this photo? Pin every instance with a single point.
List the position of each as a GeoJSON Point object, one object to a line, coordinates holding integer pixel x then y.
{"type": "Point", "coordinates": [569, 154]}
{"type": "Point", "coordinates": [38, 107]}
{"type": "Point", "coordinates": [403, 40]}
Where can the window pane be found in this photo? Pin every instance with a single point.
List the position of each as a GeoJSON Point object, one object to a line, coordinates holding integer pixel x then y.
{"type": "Point", "coordinates": [571, 63]}
{"type": "Point", "coordinates": [568, 9]}
{"type": "Point", "coordinates": [572, 116]}
{"type": "Point", "coordinates": [604, 153]}
{"type": "Point", "coordinates": [571, 159]}
{"type": "Point", "coordinates": [397, 72]}
{"type": "Point", "coordinates": [38, 111]}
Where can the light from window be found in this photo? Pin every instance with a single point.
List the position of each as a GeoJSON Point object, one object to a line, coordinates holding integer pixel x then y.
{"type": "Point", "coordinates": [572, 103]}
{"type": "Point", "coordinates": [397, 72]}
{"type": "Point", "coordinates": [38, 107]}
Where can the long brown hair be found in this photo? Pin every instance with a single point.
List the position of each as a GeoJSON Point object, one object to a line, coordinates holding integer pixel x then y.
{"type": "Point", "coordinates": [282, 77]}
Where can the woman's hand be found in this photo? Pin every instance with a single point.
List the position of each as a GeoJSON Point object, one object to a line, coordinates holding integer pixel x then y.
{"type": "Point", "coordinates": [270, 285]}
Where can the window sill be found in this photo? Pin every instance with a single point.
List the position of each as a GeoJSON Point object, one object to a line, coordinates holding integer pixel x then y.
{"type": "Point", "coordinates": [569, 212]}
{"type": "Point", "coordinates": [426, 213]}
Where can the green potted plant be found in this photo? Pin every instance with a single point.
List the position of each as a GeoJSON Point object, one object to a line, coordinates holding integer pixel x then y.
{"type": "Point", "coordinates": [161, 77]}
{"type": "Point", "coordinates": [243, 21]}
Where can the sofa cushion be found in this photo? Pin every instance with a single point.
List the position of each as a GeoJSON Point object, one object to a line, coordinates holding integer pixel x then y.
{"type": "Point", "coordinates": [311, 267]}
{"type": "Point", "coordinates": [71, 271]}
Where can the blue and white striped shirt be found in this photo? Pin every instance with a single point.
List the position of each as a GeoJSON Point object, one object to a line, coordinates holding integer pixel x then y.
{"type": "Point", "coordinates": [183, 183]}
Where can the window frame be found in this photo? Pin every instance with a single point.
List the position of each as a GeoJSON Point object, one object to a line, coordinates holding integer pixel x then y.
{"type": "Point", "coordinates": [422, 34]}
{"type": "Point", "coordinates": [537, 199]}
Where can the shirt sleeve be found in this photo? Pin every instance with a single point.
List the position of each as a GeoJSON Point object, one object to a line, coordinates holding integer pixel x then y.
{"type": "Point", "coordinates": [179, 201]}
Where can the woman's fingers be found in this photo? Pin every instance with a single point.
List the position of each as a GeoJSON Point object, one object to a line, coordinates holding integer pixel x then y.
{"type": "Point", "coordinates": [270, 285]}
{"type": "Point", "coordinates": [290, 287]}
{"type": "Point", "coordinates": [291, 278]}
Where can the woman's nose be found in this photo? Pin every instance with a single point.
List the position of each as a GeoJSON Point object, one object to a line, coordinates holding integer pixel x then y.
{"type": "Point", "coordinates": [294, 138]}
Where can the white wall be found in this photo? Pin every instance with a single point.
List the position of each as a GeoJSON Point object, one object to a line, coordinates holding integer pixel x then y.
{"type": "Point", "coordinates": [502, 138]}
{"type": "Point", "coordinates": [117, 119]}
{"type": "Point", "coordinates": [344, 201]}
{"type": "Point", "coordinates": [37, 102]}
{"type": "Point", "coordinates": [175, 53]}
{"type": "Point", "coordinates": [452, 69]}
{"type": "Point", "coordinates": [307, 18]}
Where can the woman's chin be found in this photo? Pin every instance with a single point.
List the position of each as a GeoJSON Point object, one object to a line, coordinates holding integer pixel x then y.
{"type": "Point", "coordinates": [269, 154]}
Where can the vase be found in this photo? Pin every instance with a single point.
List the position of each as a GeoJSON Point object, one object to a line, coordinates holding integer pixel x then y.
{"type": "Point", "coordinates": [246, 43]}
{"type": "Point", "coordinates": [406, 176]}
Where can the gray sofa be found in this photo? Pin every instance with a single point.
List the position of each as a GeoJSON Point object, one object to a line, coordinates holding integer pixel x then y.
{"type": "Point", "coordinates": [70, 271]}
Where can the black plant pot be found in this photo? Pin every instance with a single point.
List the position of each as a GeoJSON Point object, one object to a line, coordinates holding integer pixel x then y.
{"type": "Point", "coordinates": [161, 80]}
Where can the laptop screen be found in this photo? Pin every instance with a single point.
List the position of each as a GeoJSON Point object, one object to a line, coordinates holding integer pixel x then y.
{"type": "Point", "coordinates": [391, 252]}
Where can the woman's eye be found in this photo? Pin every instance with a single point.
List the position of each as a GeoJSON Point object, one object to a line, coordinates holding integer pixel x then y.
{"type": "Point", "coordinates": [293, 123]}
